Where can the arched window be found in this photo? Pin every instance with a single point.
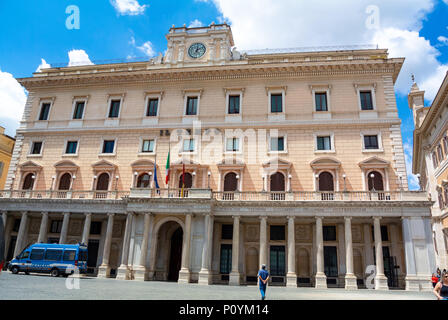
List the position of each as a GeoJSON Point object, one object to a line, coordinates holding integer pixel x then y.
{"type": "Point", "coordinates": [277, 185]}
{"type": "Point", "coordinates": [143, 181]}
{"type": "Point", "coordinates": [230, 182]}
{"type": "Point", "coordinates": [28, 182]}
{"type": "Point", "coordinates": [188, 181]}
{"type": "Point", "coordinates": [375, 183]}
{"type": "Point", "coordinates": [103, 182]}
{"type": "Point", "coordinates": [65, 181]}
{"type": "Point", "coordinates": [326, 182]}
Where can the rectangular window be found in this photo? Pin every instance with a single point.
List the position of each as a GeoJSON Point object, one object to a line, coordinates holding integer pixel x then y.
{"type": "Point", "coordinates": [69, 255]}
{"type": "Point", "coordinates": [192, 106]}
{"type": "Point", "coordinates": [37, 254]}
{"type": "Point", "coordinates": [226, 259]}
{"type": "Point", "coordinates": [321, 101]}
{"type": "Point", "coordinates": [234, 104]}
{"type": "Point", "coordinates": [56, 226]}
{"type": "Point", "coordinates": [188, 145]}
{"type": "Point", "coordinates": [79, 110]}
{"type": "Point", "coordinates": [114, 109]}
{"type": "Point", "coordinates": [278, 144]}
{"type": "Point", "coordinates": [108, 146]}
{"type": "Point", "coordinates": [277, 260]}
{"type": "Point", "coordinates": [227, 231]}
{"type": "Point", "coordinates": [72, 146]}
{"type": "Point", "coordinates": [95, 227]}
{"type": "Point", "coordinates": [277, 232]}
{"type": "Point", "coordinates": [366, 100]}
{"type": "Point", "coordinates": [36, 148]}
{"type": "Point", "coordinates": [323, 143]}
{"type": "Point", "coordinates": [44, 111]}
{"type": "Point", "coordinates": [276, 103]}
{"type": "Point", "coordinates": [233, 144]}
{"type": "Point", "coordinates": [371, 142]}
{"type": "Point", "coordinates": [153, 105]}
{"type": "Point", "coordinates": [329, 233]}
{"type": "Point", "coordinates": [148, 146]}
{"type": "Point", "coordinates": [53, 255]}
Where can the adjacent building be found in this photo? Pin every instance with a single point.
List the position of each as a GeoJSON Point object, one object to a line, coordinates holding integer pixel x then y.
{"type": "Point", "coordinates": [291, 158]}
{"type": "Point", "coordinates": [6, 148]}
{"type": "Point", "coordinates": [430, 160]}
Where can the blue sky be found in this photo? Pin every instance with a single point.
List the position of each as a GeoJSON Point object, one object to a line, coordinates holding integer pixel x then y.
{"type": "Point", "coordinates": [118, 29]}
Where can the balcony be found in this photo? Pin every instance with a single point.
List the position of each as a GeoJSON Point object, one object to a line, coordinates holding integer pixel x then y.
{"type": "Point", "coordinates": [384, 196]}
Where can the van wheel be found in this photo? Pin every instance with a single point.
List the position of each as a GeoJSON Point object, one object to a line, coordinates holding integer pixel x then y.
{"type": "Point", "coordinates": [27, 273]}
{"type": "Point", "coordinates": [15, 270]}
{"type": "Point", "coordinates": [54, 273]}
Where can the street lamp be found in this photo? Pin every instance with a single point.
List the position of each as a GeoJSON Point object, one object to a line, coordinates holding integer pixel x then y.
{"type": "Point", "coordinates": [372, 176]}
{"type": "Point", "coordinates": [290, 186]}
{"type": "Point", "coordinates": [344, 176]}
{"type": "Point", "coordinates": [237, 182]}
{"type": "Point", "coordinates": [209, 174]}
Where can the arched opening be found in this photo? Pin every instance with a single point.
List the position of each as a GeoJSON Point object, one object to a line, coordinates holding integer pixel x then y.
{"type": "Point", "coordinates": [143, 181]}
{"type": "Point", "coordinates": [103, 182]}
{"type": "Point", "coordinates": [188, 181]}
{"type": "Point", "coordinates": [65, 181]}
{"type": "Point", "coordinates": [375, 180]}
{"type": "Point", "coordinates": [230, 186]}
{"type": "Point", "coordinates": [326, 185]}
{"type": "Point", "coordinates": [169, 252]}
{"type": "Point", "coordinates": [277, 185]}
{"type": "Point", "coordinates": [28, 182]}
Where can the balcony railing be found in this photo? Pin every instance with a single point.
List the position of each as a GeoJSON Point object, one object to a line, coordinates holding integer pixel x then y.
{"type": "Point", "coordinates": [219, 196]}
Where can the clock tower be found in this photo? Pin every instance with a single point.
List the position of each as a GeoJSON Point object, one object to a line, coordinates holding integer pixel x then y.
{"type": "Point", "coordinates": [198, 46]}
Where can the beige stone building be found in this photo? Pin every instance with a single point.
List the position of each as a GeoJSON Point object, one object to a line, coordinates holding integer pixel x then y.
{"type": "Point", "coordinates": [6, 148]}
{"type": "Point", "coordinates": [292, 158]}
{"type": "Point", "coordinates": [430, 161]}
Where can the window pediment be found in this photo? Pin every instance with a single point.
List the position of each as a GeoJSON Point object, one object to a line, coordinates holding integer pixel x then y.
{"type": "Point", "coordinates": [232, 164]}
{"type": "Point", "coordinates": [281, 164]}
{"type": "Point", "coordinates": [66, 165]}
{"type": "Point", "coordinates": [142, 165]}
{"type": "Point", "coordinates": [374, 162]}
{"type": "Point", "coordinates": [103, 165]}
{"type": "Point", "coordinates": [30, 166]}
{"type": "Point", "coordinates": [325, 163]}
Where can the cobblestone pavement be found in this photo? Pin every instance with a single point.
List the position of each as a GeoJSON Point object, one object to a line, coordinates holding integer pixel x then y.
{"type": "Point", "coordinates": [43, 287]}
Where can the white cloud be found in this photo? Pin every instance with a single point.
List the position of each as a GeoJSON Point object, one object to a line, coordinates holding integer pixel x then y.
{"type": "Point", "coordinates": [78, 58]}
{"type": "Point", "coordinates": [13, 97]}
{"type": "Point", "coordinates": [43, 65]}
{"type": "Point", "coordinates": [195, 24]}
{"type": "Point", "coordinates": [412, 179]}
{"type": "Point", "coordinates": [147, 49]}
{"type": "Point", "coordinates": [128, 7]}
{"type": "Point", "coordinates": [443, 39]}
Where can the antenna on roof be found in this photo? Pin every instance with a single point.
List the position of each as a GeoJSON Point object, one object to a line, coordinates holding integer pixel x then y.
{"type": "Point", "coordinates": [413, 78]}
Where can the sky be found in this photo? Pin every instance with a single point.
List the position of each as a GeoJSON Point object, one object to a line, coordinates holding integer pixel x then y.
{"type": "Point", "coordinates": [39, 34]}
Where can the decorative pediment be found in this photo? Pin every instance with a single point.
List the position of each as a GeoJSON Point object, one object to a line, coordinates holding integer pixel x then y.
{"type": "Point", "coordinates": [189, 164]}
{"type": "Point", "coordinates": [232, 164]}
{"type": "Point", "coordinates": [142, 165]}
{"type": "Point", "coordinates": [325, 163]}
{"type": "Point", "coordinates": [374, 163]}
{"type": "Point", "coordinates": [30, 166]}
{"type": "Point", "coordinates": [66, 165]}
{"type": "Point", "coordinates": [103, 165]}
{"type": "Point", "coordinates": [277, 163]}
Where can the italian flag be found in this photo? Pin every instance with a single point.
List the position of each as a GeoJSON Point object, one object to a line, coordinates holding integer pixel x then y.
{"type": "Point", "coordinates": [168, 169]}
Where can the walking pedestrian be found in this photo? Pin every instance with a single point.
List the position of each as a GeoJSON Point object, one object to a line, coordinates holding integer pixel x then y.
{"type": "Point", "coordinates": [434, 280]}
{"type": "Point", "coordinates": [441, 289]}
{"type": "Point", "coordinates": [263, 277]}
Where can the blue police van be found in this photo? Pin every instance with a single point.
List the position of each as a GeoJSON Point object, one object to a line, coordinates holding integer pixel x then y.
{"type": "Point", "coordinates": [55, 259]}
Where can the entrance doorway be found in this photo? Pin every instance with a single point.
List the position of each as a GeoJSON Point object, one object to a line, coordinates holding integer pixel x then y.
{"type": "Point", "coordinates": [92, 258]}
{"type": "Point", "coordinates": [331, 264]}
{"type": "Point", "coordinates": [175, 255]}
{"type": "Point", "coordinates": [277, 264]}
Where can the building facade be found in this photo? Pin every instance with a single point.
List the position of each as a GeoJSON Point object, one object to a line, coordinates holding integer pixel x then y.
{"type": "Point", "coordinates": [430, 161]}
{"type": "Point", "coordinates": [6, 148]}
{"type": "Point", "coordinates": [289, 158]}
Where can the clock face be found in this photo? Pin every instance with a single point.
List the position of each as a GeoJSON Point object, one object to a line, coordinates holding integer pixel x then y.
{"type": "Point", "coordinates": [197, 50]}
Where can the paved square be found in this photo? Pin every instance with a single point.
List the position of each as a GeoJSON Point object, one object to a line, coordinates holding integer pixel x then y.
{"type": "Point", "coordinates": [43, 287]}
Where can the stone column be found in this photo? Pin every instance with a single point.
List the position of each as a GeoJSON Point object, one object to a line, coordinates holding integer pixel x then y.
{"type": "Point", "coordinates": [104, 269]}
{"type": "Point", "coordinates": [184, 273]}
{"type": "Point", "coordinates": [205, 275]}
{"type": "Point", "coordinates": [411, 269]}
{"type": "Point", "coordinates": [380, 278]}
{"type": "Point", "coordinates": [64, 230]}
{"type": "Point", "coordinates": [235, 275]}
{"type": "Point", "coordinates": [321, 278]}
{"type": "Point", "coordinates": [5, 218]}
{"type": "Point", "coordinates": [43, 228]}
{"type": "Point", "coordinates": [263, 241]}
{"type": "Point", "coordinates": [291, 276]}
{"type": "Point", "coordinates": [86, 231]}
{"type": "Point", "coordinates": [350, 278]}
{"type": "Point", "coordinates": [21, 234]}
{"type": "Point", "coordinates": [141, 272]}
{"type": "Point", "coordinates": [368, 248]}
{"type": "Point", "coordinates": [123, 270]}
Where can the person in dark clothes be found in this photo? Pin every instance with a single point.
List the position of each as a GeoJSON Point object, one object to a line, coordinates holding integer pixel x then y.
{"type": "Point", "coordinates": [263, 277]}
{"type": "Point", "coordinates": [441, 289]}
